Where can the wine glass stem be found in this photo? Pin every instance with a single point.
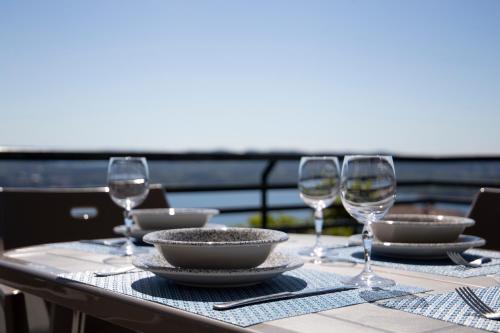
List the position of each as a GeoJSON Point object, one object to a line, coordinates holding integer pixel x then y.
{"type": "Point", "coordinates": [318, 226]}
{"type": "Point", "coordinates": [128, 229]}
{"type": "Point", "coordinates": [367, 236]}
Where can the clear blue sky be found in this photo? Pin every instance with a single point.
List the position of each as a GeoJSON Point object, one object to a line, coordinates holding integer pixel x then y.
{"type": "Point", "coordinates": [417, 76]}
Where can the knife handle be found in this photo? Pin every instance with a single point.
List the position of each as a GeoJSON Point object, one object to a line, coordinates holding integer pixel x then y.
{"type": "Point", "coordinates": [253, 300]}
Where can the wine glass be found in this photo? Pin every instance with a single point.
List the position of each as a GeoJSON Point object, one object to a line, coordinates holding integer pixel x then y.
{"type": "Point", "coordinates": [128, 183]}
{"type": "Point", "coordinates": [318, 185]}
{"type": "Point", "coordinates": [368, 191]}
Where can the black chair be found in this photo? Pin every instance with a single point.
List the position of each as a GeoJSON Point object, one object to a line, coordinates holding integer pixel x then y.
{"type": "Point", "coordinates": [485, 210]}
{"type": "Point", "coordinates": [55, 215]}
{"type": "Point", "coordinates": [62, 214]}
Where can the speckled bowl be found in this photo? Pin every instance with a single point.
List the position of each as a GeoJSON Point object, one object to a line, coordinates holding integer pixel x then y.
{"type": "Point", "coordinates": [215, 248]}
{"type": "Point", "coordinates": [172, 218]}
{"type": "Point", "coordinates": [418, 228]}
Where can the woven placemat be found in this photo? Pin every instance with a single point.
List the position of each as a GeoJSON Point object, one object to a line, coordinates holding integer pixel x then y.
{"type": "Point", "coordinates": [355, 253]}
{"type": "Point", "coordinates": [439, 267]}
{"type": "Point", "coordinates": [450, 307]}
{"type": "Point", "coordinates": [146, 286]}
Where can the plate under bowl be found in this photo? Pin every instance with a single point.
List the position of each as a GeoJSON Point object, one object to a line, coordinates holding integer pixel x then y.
{"type": "Point", "coordinates": [418, 228]}
{"type": "Point", "coordinates": [276, 264]}
{"type": "Point", "coordinates": [172, 218]}
{"type": "Point", "coordinates": [420, 250]}
{"type": "Point", "coordinates": [215, 248]}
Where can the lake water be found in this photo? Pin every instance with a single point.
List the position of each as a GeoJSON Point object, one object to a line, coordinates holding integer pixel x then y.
{"type": "Point", "coordinates": [237, 199]}
{"type": "Point", "coordinates": [201, 173]}
{"type": "Point", "coordinates": [252, 198]}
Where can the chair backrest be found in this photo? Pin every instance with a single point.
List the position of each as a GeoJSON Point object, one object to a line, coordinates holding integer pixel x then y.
{"type": "Point", "coordinates": [485, 210]}
{"type": "Point", "coordinates": [31, 216]}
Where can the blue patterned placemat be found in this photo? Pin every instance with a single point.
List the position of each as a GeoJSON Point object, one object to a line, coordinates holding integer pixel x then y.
{"type": "Point", "coordinates": [440, 267]}
{"type": "Point", "coordinates": [355, 253]}
{"type": "Point", "coordinates": [89, 247]}
{"type": "Point", "coordinates": [450, 307]}
{"type": "Point", "coordinates": [145, 285]}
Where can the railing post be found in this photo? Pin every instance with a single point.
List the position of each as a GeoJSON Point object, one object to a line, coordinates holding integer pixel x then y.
{"type": "Point", "coordinates": [263, 191]}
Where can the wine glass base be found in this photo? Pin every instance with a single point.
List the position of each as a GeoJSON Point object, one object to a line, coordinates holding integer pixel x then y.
{"type": "Point", "coordinates": [319, 255]}
{"type": "Point", "coordinates": [125, 254]}
{"type": "Point", "coordinates": [368, 279]}
{"type": "Point", "coordinates": [318, 252]}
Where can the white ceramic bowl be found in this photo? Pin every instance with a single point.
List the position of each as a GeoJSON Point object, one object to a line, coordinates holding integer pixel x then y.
{"type": "Point", "coordinates": [417, 228]}
{"type": "Point", "coordinates": [172, 218]}
{"type": "Point", "coordinates": [215, 248]}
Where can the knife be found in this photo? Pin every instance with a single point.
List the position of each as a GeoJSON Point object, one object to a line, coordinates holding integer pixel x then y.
{"type": "Point", "coordinates": [118, 271]}
{"type": "Point", "coordinates": [280, 296]}
{"type": "Point", "coordinates": [109, 242]}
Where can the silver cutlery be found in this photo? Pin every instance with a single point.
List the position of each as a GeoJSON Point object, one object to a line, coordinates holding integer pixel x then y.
{"type": "Point", "coordinates": [123, 270]}
{"type": "Point", "coordinates": [476, 304]}
{"type": "Point", "coordinates": [458, 259]}
{"type": "Point", "coordinates": [280, 296]}
{"type": "Point", "coordinates": [105, 242]}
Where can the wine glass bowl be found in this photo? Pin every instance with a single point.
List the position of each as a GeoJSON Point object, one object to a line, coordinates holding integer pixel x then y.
{"type": "Point", "coordinates": [368, 187]}
{"type": "Point", "coordinates": [128, 184]}
{"type": "Point", "coordinates": [318, 183]}
{"type": "Point", "coordinates": [318, 193]}
{"type": "Point", "coordinates": [128, 194]}
{"type": "Point", "coordinates": [368, 191]}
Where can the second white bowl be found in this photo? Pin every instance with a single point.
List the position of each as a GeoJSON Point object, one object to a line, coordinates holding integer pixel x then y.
{"type": "Point", "coordinates": [417, 228]}
{"type": "Point", "coordinates": [172, 218]}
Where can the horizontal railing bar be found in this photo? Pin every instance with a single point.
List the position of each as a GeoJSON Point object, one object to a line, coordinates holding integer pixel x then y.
{"type": "Point", "coordinates": [223, 188]}
{"type": "Point", "coordinates": [249, 209]}
{"type": "Point", "coordinates": [449, 183]}
{"type": "Point", "coordinates": [422, 200]}
{"type": "Point", "coordinates": [284, 186]}
{"type": "Point", "coordinates": [7, 153]}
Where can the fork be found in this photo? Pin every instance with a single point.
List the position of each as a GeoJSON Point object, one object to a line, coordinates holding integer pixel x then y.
{"type": "Point", "coordinates": [122, 270]}
{"type": "Point", "coordinates": [476, 304]}
{"type": "Point", "coordinates": [459, 260]}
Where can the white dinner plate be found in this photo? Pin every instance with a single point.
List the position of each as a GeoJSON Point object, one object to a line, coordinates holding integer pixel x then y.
{"type": "Point", "coordinates": [276, 264]}
{"type": "Point", "coordinates": [138, 233]}
{"type": "Point", "coordinates": [421, 250]}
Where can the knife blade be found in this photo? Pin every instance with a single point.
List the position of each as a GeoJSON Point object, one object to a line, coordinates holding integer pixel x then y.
{"type": "Point", "coordinates": [280, 296]}
{"type": "Point", "coordinates": [104, 242]}
{"type": "Point", "coordinates": [118, 271]}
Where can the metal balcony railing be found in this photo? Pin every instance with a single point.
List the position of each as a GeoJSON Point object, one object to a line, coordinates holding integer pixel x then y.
{"type": "Point", "coordinates": [263, 186]}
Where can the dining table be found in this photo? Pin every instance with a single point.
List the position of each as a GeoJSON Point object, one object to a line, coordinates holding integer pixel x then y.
{"type": "Point", "coordinates": [53, 272]}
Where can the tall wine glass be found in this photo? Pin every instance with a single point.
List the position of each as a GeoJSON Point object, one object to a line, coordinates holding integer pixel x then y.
{"type": "Point", "coordinates": [128, 182]}
{"type": "Point", "coordinates": [368, 191]}
{"type": "Point", "coordinates": [318, 185]}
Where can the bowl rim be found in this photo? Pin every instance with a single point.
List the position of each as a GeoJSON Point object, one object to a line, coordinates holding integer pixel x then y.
{"type": "Point", "coordinates": [438, 220]}
{"type": "Point", "coordinates": [174, 211]}
{"type": "Point", "coordinates": [275, 237]}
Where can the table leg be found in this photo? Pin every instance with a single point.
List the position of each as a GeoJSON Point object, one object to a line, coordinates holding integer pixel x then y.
{"type": "Point", "coordinates": [78, 324]}
{"type": "Point", "coordinates": [14, 307]}
{"type": "Point", "coordinates": [60, 318]}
